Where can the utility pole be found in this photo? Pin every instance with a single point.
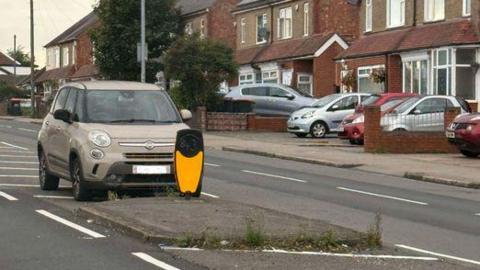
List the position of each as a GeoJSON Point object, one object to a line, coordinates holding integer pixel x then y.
{"type": "Point", "coordinates": [142, 41]}
{"type": "Point", "coordinates": [32, 59]}
{"type": "Point", "coordinates": [15, 59]}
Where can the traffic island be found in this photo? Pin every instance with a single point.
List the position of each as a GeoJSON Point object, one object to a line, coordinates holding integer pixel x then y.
{"type": "Point", "coordinates": [217, 224]}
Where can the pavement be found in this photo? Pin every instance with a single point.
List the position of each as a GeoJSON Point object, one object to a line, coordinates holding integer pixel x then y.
{"type": "Point", "coordinates": [449, 169]}
{"type": "Point", "coordinates": [422, 219]}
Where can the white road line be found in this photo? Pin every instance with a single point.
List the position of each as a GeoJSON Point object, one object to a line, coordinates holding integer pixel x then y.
{"type": "Point", "coordinates": [5, 126]}
{"type": "Point", "coordinates": [212, 165]}
{"type": "Point", "coordinates": [439, 254]}
{"type": "Point", "coordinates": [8, 197]}
{"type": "Point", "coordinates": [154, 261]}
{"type": "Point", "coordinates": [16, 156]}
{"type": "Point", "coordinates": [276, 176]}
{"type": "Point", "coordinates": [18, 176]}
{"type": "Point", "coordinates": [14, 146]}
{"type": "Point", "coordinates": [18, 169]}
{"type": "Point", "coordinates": [27, 185]}
{"type": "Point", "coordinates": [28, 130]}
{"type": "Point", "coordinates": [53, 197]}
{"type": "Point", "coordinates": [9, 151]}
{"type": "Point", "coordinates": [382, 196]}
{"type": "Point", "coordinates": [211, 195]}
{"type": "Point", "coordinates": [70, 224]}
{"type": "Point", "coordinates": [18, 162]}
{"type": "Point", "coordinates": [477, 214]}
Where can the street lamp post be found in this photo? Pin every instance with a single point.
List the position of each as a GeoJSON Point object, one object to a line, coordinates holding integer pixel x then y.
{"type": "Point", "coordinates": [142, 41]}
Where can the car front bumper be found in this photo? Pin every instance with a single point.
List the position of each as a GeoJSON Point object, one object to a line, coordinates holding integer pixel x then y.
{"type": "Point", "coordinates": [299, 125]}
{"type": "Point", "coordinates": [352, 132]}
{"type": "Point", "coordinates": [464, 140]}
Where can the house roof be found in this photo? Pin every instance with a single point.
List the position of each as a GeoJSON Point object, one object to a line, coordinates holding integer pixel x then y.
{"type": "Point", "coordinates": [456, 32]}
{"type": "Point", "coordinates": [295, 48]}
{"type": "Point", "coordinates": [37, 74]}
{"type": "Point", "coordinates": [247, 4]}
{"type": "Point", "coordinates": [6, 60]}
{"type": "Point", "coordinates": [75, 30]}
{"type": "Point", "coordinates": [85, 71]}
{"type": "Point", "coordinates": [192, 6]}
{"type": "Point", "coordinates": [56, 74]}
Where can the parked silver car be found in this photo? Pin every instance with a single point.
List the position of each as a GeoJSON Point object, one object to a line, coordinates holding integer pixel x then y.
{"type": "Point", "coordinates": [271, 99]}
{"type": "Point", "coordinates": [325, 115]}
{"type": "Point", "coordinates": [422, 113]}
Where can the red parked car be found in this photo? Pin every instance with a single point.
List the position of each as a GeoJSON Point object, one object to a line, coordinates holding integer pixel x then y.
{"type": "Point", "coordinates": [353, 127]}
{"type": "Point", "coordinates": [464, 132]}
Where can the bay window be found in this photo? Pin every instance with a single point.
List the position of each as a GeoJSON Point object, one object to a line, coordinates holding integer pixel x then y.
{"type": "Point", "coordinates": [434, 10]}
{"type": "Point", "coordinates": [270, 76]}
{"type": "Point", "coordinates": [365, 82]}
{"type": "Point", "coordinates": [395, 13]}
{"type": "Point", "coordinates": [246, 78]}
{"type": "Point", "coordinates": [442, 71]}
{"type": "Point", "coordinates": [285, 23]}
{"type": "Point", "coordinates": [415, 77]}
{"type": "Point", "coordinates": [466, 70]}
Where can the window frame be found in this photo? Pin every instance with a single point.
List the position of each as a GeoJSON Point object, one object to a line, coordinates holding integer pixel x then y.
{"type": "Point", "coordinates": [367, 75]}
{"type": "Point", "coordinates": [426, 16]}
{"type": "Point", "coordinates": [202, 28]}
{"type": "Point", "coordinates": [310, 81]}
{"type": "Point", "coordinates": [66, 89]}
{"type": "Point", "coordinates": [189, 28]}
{"type": "Point", "coordinates": [402, 14]}
{"type": "Point", "coordinates": [243, 26]}
{"type": "Point", "coordinates": [264, 24]}
{"type": "Point", "coordinates": [466, 8]}
{"type": "Point", "coordinates": [283, 21]}
{"type": "Point", "coordinates": [246, 81]}
{"type": "Point", "coordinates": [368, 16]}
{"type": "Point", "coordinates": [268, 78]}
{"type": "Point", "coordinates": [306, 19]}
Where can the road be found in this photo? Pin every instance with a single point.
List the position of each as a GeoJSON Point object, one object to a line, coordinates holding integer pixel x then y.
{"type": "Point", "coordinates": [428, 219]}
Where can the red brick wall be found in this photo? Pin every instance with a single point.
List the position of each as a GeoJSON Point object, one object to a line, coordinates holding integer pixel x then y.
{"type": "Point", "coordinates": [227, 121]}
{"type": "Point", "coordinates": [394, 74]}
{"type": "Point", "coordinates": [337, 16]}
{"type": "Point", "coordinates": [220, 22]}
{"type": "Point", "coordinates": [273, 124]}
{"type": "Point", "coordinates": [378, 141]}
{"type": "Point", "coordinates": [84, 50]}
{"type": "Point", "coordinates": [324, 82]}
{"type": "Point", "coordinates": [298, 66]}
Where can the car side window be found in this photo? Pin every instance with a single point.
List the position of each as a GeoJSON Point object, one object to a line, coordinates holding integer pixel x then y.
{"type": "Point", "coordinates": [433, 105]}
{"type": "Point", "coordinates": [79, 106]}
{"type": "Point", "coordinates": [255, 91]}
{"type": "Point", "coordinates": [363, 98]}
{"type": "Point", "coordinates": [346, 103]}
{"type": "Point", "coordinates": [60, 100]}
{"type": "Point", "coordinates": [277, 92]}
{"type": "Point", "coordinates": [71, 100]}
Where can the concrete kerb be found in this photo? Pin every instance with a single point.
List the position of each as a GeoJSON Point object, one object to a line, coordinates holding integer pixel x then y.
{"type": "Point", "coordinates": [292, 158]}
{"type": "Point", "coordinates": [438, 180]}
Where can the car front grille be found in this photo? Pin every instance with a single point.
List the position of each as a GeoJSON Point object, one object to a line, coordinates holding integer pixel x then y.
{"type": "Point", "coordinates": [347, 121]}
{"type": "Point", "coordinates": [459, 126]}
{"type": "Point", "coordinates": [148, 155]}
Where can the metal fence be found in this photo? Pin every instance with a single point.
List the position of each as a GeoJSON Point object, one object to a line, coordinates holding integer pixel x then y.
{"type": "Point", "coordinates": [415, 121]}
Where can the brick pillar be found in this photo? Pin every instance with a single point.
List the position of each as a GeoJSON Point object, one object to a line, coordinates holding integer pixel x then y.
{"type": "Point", "coordinates": [394, 74]}
{"type": "Point", "coordinates": [473, 105]}
{"type": "Point", "coordinates": [202, 118]}
{"type": "Point", "coordinates": [373, 129]}
{"type": "Point", "coordinates": [251, 121]}
{"type": "Point", "coordinates": [450, 115]}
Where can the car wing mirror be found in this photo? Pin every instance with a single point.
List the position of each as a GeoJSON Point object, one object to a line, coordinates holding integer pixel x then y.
{"type": "Point", "coordinates": [290, 96]}
{"type": "Point", "coordinates": [334, 108]}
{"type": "Point", "coordinates": [417, 111]}
{"type": "Point", "coordinates": [63, 115]}
{"type": "Point", "coordinates": [186, 115]}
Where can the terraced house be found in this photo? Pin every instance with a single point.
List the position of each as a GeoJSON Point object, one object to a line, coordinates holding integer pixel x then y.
{"type": "Point", "coordinates": [294, 42]}
{"type": "Point", "coordinates": [416, 46]}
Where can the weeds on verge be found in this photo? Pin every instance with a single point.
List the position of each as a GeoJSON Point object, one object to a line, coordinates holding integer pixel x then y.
{"type": "Point", "coordinates": [254, 233]}
{"type": "Point", "coordinates": [374, 233]}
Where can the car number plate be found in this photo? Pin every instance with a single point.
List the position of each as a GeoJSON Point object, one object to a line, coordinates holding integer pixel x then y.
{"type": "Point", "coordinates": [140, 169]}
{"type": "Point", "coordinates": [450, 134]}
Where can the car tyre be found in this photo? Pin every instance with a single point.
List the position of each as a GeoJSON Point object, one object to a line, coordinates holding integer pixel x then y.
{"type": "Point", "coordinates": [301, 135]}
{"type": "Point", "coordinates": [80, 192]}
{"type": "Point", "coordinates": [469, 154]}
{"type": "Point", "coordinates": [319, 129]}
{"type": "Point", "coordinates": [47, 180]}
{"type": "Point", "coordinates": [353, 142]}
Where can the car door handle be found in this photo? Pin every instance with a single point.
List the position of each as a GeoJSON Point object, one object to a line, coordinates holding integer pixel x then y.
{"type": "Point", "coordinates": [58, 128]}
{"type": "Point", "coordinates": [47, 123]}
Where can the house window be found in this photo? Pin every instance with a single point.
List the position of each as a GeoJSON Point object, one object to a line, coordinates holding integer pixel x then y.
{"type": "Point", "coordinates": [202, 28]}
{"type": "Point", "coordinates": [465, 72]}
{"type": "Point", "coordinates": [270, 76]}
{"type": "Point", "coordinates": [305, 83]}
{"type": "Point", "coordinates": [65, 54]}
{"type": "Point", "coordinates": [74, 53]}
{"type": "Point", "coordinates": [285, 23]}
{"type": "Point", "coordinates": [442, 71]}
{"type": "Point", "coordinates": [243, 25]}
{"type": "Point", "coordinates": [368, 15]}
{"type": "Point", "coordinates": [262, 28]}
{"type": "Point", "coordinates": [434, 10]}
{"type": "Point", "coordinates": [306, 19]}
{"type": "Point", "coordinates": [365, 82]}
{"type": "Point", "coordinates": [188, 29]}
{"type": "Point", "coordinates": [51, 58]}
{"type": "Point", "coordinates": [395, 13]}
{"type": "Point", "coordinates": [467, 7]}
{"type": "Point", "coordinates": [246, 78]}
{"type": "Point", "coordinates": [415, 77]}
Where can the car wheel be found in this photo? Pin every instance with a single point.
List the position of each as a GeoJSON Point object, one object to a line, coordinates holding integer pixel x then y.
{"type": "Point", "coordinates": [301, 135]}
{"type": "Point", "coordinates": [353, 142]}
{"type": "Point", "coordinates": [80, 192]}
{"type": "Point", "coordinates": [319, 129]}
{"type": "Point", "coordinates": [469, 154]}
{"type": "Point", "coordinates": [47, 181]}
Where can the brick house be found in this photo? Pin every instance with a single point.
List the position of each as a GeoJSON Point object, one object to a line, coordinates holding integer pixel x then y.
{"type": "Point", "coordinates": [69, 57]}
{"type": "Point", "coordinates": [294, 42]}
{"type": "Point", "coordinates": [415, 46]}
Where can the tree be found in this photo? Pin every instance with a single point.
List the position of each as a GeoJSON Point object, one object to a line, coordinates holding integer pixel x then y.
{"type": "Point", "coordinates": [200, 66]}
{"type": "Point", "coordinates": [8, 91]}
{"type": "Point", "coordinates": [115, 40]}
{"type": "Point", "coordinates": [20, 56]}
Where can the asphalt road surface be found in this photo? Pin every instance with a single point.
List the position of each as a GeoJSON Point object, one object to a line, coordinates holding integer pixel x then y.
{"type": "Point", "coordinates": [41, 232]}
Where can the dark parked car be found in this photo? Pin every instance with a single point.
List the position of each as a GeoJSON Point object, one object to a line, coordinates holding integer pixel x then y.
{"type": "Point", "coordinates": [464, 132]}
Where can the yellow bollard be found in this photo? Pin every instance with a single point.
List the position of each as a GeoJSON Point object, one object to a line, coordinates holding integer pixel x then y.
{"type": "Point", "coordinates": [189, 162]}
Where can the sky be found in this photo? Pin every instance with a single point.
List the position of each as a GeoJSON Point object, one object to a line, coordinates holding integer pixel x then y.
{"type": "Point", "coordinates": [52, 17]}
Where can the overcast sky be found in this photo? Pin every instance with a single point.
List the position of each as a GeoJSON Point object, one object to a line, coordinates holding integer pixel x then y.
{"type": "Point", "coordinates": [52, 17]}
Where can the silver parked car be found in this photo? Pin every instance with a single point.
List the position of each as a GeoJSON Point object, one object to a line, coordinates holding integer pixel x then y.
{"type": "Point", "coordinates": [422, 113]}
{"type": "Point", "coordinates": [325, 115]}
{"type": "Point", "coordinates": [271, 98]}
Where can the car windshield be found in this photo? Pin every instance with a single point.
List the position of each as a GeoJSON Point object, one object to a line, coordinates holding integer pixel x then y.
{"type": "Point", "coordinates": [325, 101]}
{"type": "Point", "coordinates": [370, 100]}
{"type": "Point", "coordinates": [406, 105]}
{"type": "Point", "coordinates": [125, 106]}
{"type": "Point", "coordinates": [391, 104]}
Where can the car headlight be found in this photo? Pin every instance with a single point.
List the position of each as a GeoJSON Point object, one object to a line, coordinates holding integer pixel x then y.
{"type": "Point", "coordinates": [99, 138]}
{"type": "Point", "coordinates": [308, 115]}
{"type": "Point", "coordinates": [470, 128]}
{"type": "Point", "coordinates": [359, 120]}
